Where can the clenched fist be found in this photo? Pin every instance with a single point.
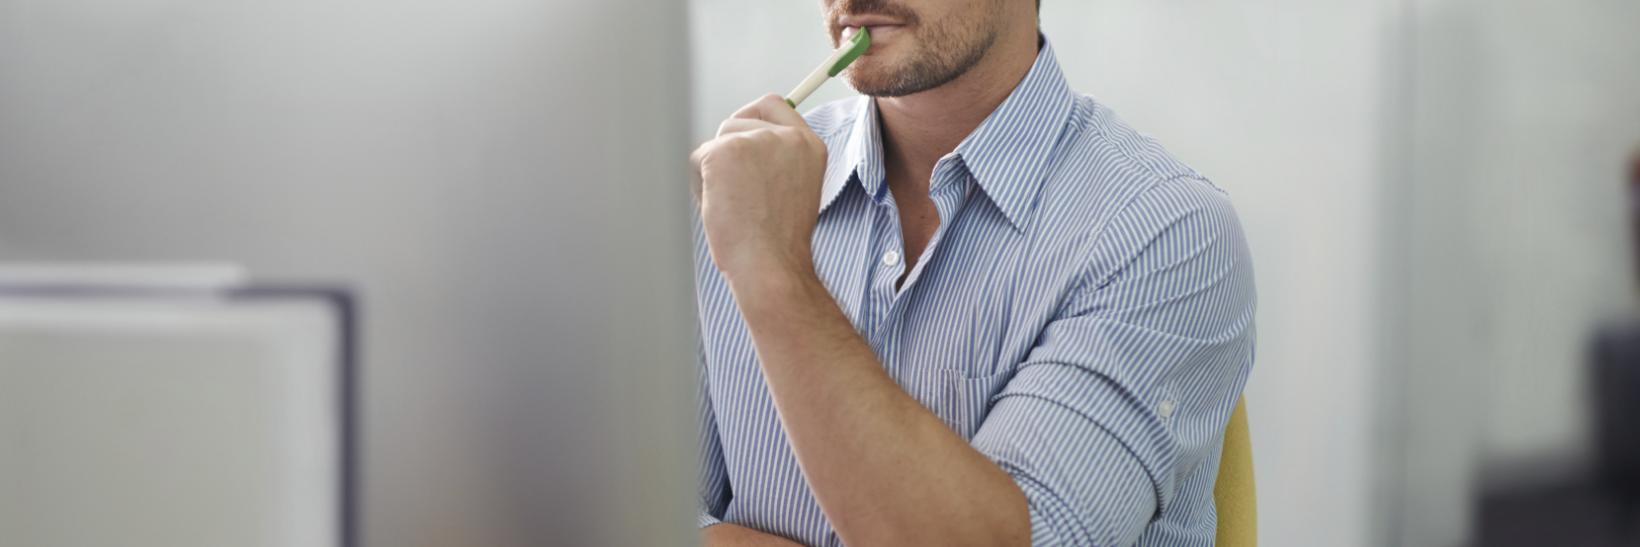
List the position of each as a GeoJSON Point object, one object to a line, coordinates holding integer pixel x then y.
{"type": "Point", "coordinates": [758, 187]}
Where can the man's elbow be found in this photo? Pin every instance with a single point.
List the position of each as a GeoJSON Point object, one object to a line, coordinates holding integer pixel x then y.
{"type": "Point", "coordinates": [1012, 529]}
{"type": "Point", "coordinates": [1004, 521]}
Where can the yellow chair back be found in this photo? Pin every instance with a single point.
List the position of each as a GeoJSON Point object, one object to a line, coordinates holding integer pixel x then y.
{"type": "Point", "coordinates": [1233, 491]}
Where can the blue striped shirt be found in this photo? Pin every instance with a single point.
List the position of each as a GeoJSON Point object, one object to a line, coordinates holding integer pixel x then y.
{"type": "Point", "coordinates": [1083, 315]}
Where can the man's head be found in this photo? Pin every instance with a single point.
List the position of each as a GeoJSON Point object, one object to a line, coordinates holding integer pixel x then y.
{"type": "Point", "coordinates": [919, 45]}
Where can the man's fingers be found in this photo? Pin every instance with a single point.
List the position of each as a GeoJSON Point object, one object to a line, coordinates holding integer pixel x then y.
{"type": "Point", "coordinates": [731, 130]}
{"type": "Point", "coordinates": [750, 111]}
{"type": "Point", "coordinates": [773, 109]}
{"type": "Point", "coordinates": [700, 154]}
{"type": "Point", "coordinates": [741, 125]}
{"type": "Point", "coordinates": [776, 110]}
{"type": "Point", "coordinates": [695, 159]}
{"type": "Point", "coordinates": [766, 117]}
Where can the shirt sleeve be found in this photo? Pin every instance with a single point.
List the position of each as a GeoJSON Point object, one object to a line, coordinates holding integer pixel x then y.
{"type": "Point", "coordinates": [713, 482]}
{"type": "Point", "coordinates": [714, 476]}
{"type": "Point", "coordinates": [1129, 388]}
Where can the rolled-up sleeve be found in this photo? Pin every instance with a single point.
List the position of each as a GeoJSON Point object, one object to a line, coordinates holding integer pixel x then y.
{"type": "Point", "coordinates": [1128, 389]}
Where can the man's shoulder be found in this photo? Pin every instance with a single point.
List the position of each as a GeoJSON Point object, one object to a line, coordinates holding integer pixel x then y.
{"type": "Point", "coordinates": [1106, 168]}
{"type": "Point", "coordinates": [836, 116]}
{"type": "Point", "coordinates": [1103, 137]}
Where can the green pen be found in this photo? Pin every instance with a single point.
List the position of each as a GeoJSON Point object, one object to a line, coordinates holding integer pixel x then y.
{"type": "Point", "coordinates": [852, 48]}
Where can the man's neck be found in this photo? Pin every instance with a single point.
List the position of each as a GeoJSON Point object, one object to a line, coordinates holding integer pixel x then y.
{"type": "Point", "coordinates": [921, 128]}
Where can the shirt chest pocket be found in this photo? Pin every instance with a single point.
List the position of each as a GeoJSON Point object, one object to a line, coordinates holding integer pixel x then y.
{"type": "Point", "coordinates": [960, 399]}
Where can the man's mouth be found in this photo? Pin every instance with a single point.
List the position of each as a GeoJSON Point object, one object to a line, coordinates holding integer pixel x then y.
{"type": "Point", "coordinates": [877, 24]}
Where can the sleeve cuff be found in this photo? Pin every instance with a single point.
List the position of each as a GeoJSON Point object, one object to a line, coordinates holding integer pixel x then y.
{"type": "Point", "coordinates": [1083, 488]}
{"type": "Point", "coordinates": [1084, 405]}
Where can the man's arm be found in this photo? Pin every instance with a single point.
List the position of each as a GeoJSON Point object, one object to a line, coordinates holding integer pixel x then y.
{"type": "Point", "coordinates": [885, 470]}
{"type": "Point", "coordinates": [731, 535]}
{"type": "Point", "coordinates": [713, 482]}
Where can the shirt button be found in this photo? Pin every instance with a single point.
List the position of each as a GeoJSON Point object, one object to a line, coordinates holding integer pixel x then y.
{"type": "Point", "coordinates": [1165, 408]}
{"type": "Point", "coordinates": [891, 258]}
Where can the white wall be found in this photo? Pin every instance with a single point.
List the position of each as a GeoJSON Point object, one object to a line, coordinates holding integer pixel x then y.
{"type": "Point", "coordinates": [1557, 114]}
{"type": "Point", "coordinates": [1280, 102]}
{"type": "Point", "coordinates": [1510, 243]}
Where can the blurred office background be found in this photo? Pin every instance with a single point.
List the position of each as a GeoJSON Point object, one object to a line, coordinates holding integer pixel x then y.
{"type": "Point", "coordinates": [495, 180]}
{"type": "Point", "coordinates": [1433, 189]}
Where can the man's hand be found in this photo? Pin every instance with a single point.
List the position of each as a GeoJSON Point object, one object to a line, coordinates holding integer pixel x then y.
{"type": "Point", "coordinates": [758, 186]}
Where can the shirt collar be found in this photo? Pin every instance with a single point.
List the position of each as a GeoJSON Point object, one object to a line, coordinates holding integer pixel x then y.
{"type": "Point", "coordinates": [1007, 154]}
{"type": "Point", "coordinates": [862, 157]}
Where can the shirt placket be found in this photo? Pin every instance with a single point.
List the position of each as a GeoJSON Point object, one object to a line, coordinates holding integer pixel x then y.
{"type": "Point", "coordinates": [949, 189]}
{"type": "Point", "coordinates": [887, 265]}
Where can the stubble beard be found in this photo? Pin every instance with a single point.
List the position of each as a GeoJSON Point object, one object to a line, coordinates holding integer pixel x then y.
{"type": "Point", "coordinates": [942, 55]}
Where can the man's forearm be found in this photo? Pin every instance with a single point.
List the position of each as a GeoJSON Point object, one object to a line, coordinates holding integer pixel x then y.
{"type": "Point", "coordinates": [885, 470]}
{"type": "Point", "coordinates": [730, 535]}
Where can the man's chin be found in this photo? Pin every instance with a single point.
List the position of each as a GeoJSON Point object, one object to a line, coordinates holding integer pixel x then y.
{"type": "Point", "coordinates": [874, 80]}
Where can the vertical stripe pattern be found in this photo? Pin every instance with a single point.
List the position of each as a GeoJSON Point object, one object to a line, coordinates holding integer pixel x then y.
{"type": "Point", "coordinates": [1083, 315]}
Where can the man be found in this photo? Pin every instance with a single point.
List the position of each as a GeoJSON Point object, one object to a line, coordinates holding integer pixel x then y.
{"type": "Point", "coordinates": [969, 308]}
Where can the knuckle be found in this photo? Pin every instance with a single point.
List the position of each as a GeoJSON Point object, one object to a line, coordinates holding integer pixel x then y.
{"type": "Point", "coordinates": [804, 138]}
{"type": "Point", "coordinates": [732, 146]}
{"type": "Point", "coordinates": [714, 151]}
{"type": "Point", "coordinates": [749, 110]}
{"type": "Point", "coordinates": [791, 136]}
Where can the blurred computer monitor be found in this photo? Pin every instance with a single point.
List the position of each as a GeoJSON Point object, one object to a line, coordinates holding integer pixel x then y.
{"type": "Point", "coordinates": [174, 411]}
